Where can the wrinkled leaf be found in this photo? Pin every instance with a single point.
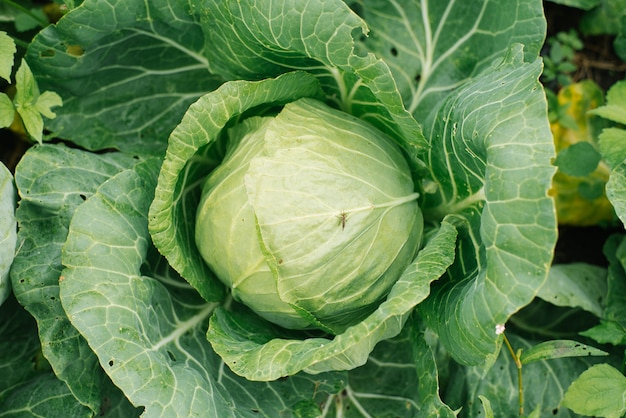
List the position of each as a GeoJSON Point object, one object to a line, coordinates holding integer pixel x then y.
{"type": "Point", "coordinates": [432, 47]}
{"type": "Point", "coordinates": [257, 350]}
{"type": "Point", "coordinates": [8, 229]}
{"type": "Point", "coordinates": [147, 325]}
{"type": "Point", "coordinates": [489, 162]}
{"type": "Point", "coordinates": [126, 72]}
{"type": "Point", "coordinates": [599, 391]}
{"type": "Point", "coordinates": [498, 196]}
{"type": "Point", "coordinates": [254, 40]}
{"type": "Point", "coordinates": [52, 182]}
{"type": "Point", "coordinates": [107, 244]}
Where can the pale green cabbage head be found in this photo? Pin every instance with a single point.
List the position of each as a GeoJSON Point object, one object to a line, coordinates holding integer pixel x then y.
{"type": "Point", "coordinates": [311, 218]}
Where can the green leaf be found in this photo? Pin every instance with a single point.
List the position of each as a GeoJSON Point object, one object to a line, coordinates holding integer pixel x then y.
{"type": "Point", "coordinates": [126, 72]}
{"type": "Point", "coordinates": [553, 349]}
{"type": "Point", "coordinates": [615, 108]}
{"type": "Point", "coordinates": [7, 111]}
{"type": "Point", "coordinates": [8, 229]}
{"type": "Point", "coordinates": [147, 325]}
{"type": "Point", "coordinates": [603, 19]}
{"type": "Point", "coordinates": [428, 377]}
{"type": "Point", "coordinates": [26, 95]}
{"type": "Point", "coordinates": [576, 285]}
{"type": "Point", "coordinates": [7, 52]}
{"type": "Point", "coordinates": [544, 384]}
{"type": "Point", "coordinates": [348, 154]}
{"type": "Point", "coordinates": [53, 181]}
{"type": "Point", "coordinates": [578, 160]}
{"type": "Point", "coordinates": [620, 40]}
{"type": "Point", "coordinates": [492, 166]}
{"type": "Point", "coordinates": [615, 252]}
{"type": "Point", "coordinates": [612, 327]}
{"type": "Point", "coordinates": [259, 351]}
{"type": "Point", "coordinates": [30, 104]}
{"type": "Point", "coordinates": [254, 40]}
{"type": "Point", "coordinates": [616, 190]}
{"type": "Point", "coordinates": [46, 396]}
{"type": "Point", "coordinates": [20, 351]}
{"type": "Point", "coordinates": [612, 144]}
{"type": "Point", "coordinates": [432, 48]}
{"type": "Point", "coordinates": [46, 101]}
{"type": "Point", "coordinates": [607, 332]}
{"type": "Point", "coordinates": [599, 391]}
{"type": "Point", "coordinates": [188, 162]}
{"type": "Point", "coordinates": [486, 406]}
{"type": "Point", "coordinates": [463, 73]}
{"type": "Point", "coordinates": [107, 243]}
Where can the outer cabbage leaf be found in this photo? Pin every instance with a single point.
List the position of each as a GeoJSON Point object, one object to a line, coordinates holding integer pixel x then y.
{"type": "Point", "coordinates": [484, 112]}
{"type": "Point", "coordinates": [188, 161]}
{"type": "Point", "coordinates": [432, 47]}
{"type": "Point", "coordinates": [126, 72]}
{"type": "Point", "coordinates": [496, 144]}
{"type": "Point", "coordinates": [53, 181]}
{"type": "Point", "coordinates": [253, 39]}
{"type": "Point", "coordinates": [147, 325]}
{"type": "Point", "coordinates": [259, 351]}
{"type": "Point", "coordinates": [8, 230]}
{"type": "Point", "coordinates": [26, 375]}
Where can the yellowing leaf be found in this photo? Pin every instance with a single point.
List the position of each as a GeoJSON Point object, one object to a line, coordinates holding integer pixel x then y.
{"type": "Point", "coordinates": [580, 200]}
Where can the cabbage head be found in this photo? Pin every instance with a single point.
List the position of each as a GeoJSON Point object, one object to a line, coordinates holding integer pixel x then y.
{"type": "Point", "coordinates": [311, 217]}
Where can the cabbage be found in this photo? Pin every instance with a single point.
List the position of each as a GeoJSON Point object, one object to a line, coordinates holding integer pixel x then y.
{"type": "Point", "coordinates": [311, 217]}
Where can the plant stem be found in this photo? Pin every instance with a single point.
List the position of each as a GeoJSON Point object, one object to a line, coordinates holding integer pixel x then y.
{"type": "Point", "coordinates": [518, 364]}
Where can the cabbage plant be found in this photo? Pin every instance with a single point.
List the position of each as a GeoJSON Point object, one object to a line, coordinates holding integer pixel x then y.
{"type": "Point", "coordinates": [310, 218]}
{"type": "Point", "coordinates": [283, 208]}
